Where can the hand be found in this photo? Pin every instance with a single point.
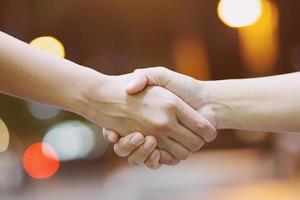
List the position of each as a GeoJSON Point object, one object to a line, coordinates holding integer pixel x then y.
{"type": "Point", "coordinates": [189, 89]}
{"type": "Point", "coordinates": [156, 112]}
{"type": "Point", "coordinates": [139, 153]}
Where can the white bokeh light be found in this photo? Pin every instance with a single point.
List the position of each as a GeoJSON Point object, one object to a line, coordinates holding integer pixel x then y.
{"type": "Point", "coordinates": [71, 140]}
{"type": "Point", "coordinates": [239, 13]}
{"type": "Point", "coordinates": [41, 111]}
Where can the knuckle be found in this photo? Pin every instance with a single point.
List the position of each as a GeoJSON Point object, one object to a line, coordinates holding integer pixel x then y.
{"type": "Point", "coordinates": [171, 102]}
{"type": "Point", "coordinates": [161, 69]}
{"type": "Point", "coordinates": [171, 105]}
{"type": "Point", "coordinates": [163, 125]}
{"type": "Point", "coordinates": [137, 71]}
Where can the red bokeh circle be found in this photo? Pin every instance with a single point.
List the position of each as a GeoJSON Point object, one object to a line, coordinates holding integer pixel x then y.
{"type": "Point", "coordinates": [40, 161]}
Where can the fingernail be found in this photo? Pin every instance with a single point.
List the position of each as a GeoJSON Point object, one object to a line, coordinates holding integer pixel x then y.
{"type": "Point", "coordinates": [136, 139]}
{"type": "Point", "coordinates": [111, 138]}
{"type": "Point", "coordinates": [149, 143]}
{"type": "Point", "coordinates": [173, 162]}
{"type": "Point", "coordinates": [154, 155]}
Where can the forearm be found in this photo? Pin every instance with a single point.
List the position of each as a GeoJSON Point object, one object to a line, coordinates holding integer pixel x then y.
{"type": "Point", "coordinates": [31, 74]}
{"type": "Point", "coordinates": [268, 104]}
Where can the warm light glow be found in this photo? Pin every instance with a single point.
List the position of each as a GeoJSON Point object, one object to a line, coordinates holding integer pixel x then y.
{"type": "Point", "coordinates": [50, 45]}
{"type": "Point", "coordinates": [239, 13]}
{"type": "Point", "coordinates": [4, 136]}
{"type": "Point", "coordinates": [190, 57]}
{"type": "Point", "coordinates": [40, 161]}
{"type": "Point", "coordinates": [259, 43]}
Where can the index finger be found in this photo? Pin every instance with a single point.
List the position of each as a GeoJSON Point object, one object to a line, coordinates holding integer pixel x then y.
{"type": "Point", "coordinates": [195, 122]}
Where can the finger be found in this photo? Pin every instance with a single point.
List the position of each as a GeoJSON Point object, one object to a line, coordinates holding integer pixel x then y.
{"type": "Point", "coordinates": [149, 76]}
{"type": "Point", "coordinates": [166, 158]}
{"type": "Point", "coordinates": [110, 136]}
{"type": "Point", "coordinates": [137, 84]}
{"type": "Point", "coordinates": [142, 153]}
{"type": "Point", "coordinates": [186, 138]}
{"type": "Point", "coordinates": [176, 150]}
{"type": "Point", "coordinates": [195, 122]}
{"type": "Point", "coordinates": [153, 161]}
{"type": "Point", "coordinates": [128, 144]}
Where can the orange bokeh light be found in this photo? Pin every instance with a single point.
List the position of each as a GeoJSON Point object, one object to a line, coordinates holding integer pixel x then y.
{"type": "Point", "coordinates": [40, 161]}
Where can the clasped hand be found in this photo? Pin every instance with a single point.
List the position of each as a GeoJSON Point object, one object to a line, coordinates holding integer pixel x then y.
{"type": "Point", "coordinates": [170, 112]}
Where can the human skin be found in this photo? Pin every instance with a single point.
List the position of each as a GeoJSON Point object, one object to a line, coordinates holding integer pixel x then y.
{"type": "Point", "coordinates": [259, 104]}
{"type": "Point", "coordinates": [31, 74]}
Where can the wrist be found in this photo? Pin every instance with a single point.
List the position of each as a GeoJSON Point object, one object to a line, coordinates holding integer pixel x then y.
{"type": "Point", "coordinates": [206, 109]}
{"type": "Point", "coordinates": [218, 103]}
{"type": "Point", "coordinates": [87, 81]}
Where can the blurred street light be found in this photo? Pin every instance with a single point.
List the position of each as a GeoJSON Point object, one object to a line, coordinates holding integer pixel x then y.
{"type": "Point", "coordinates": [50, 45]}
{"type": "Point", "coordinates": [4, 137]}
{"type": "Point", "coordinates": [54, 47]}
{"type": "Point", "coordinates": [259, 43]}
{"type": "Point", "coordinates": [239, 13]}
{"type": "Point", "coordinates": [71, 140]}
{"type": "Point", "coordinates": [190, 57]}
{"type": "Point", "coordinates": [40, 161]}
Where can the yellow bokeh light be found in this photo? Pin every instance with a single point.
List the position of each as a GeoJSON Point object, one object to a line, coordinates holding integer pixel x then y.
{"type": "Point", "coordinates": [190, 57]}
{"type": "Point", "coordinates": [239, 13]}
{"type": "Point", "coordinates": [50, 45]}
{"type": "Point", "coordinates": [259, 43]}
{"type": "Point", "coordinates": [4, 136]}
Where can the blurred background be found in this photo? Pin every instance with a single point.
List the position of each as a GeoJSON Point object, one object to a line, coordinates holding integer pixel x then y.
{"type": "Point", "coordinates": [53, 154]}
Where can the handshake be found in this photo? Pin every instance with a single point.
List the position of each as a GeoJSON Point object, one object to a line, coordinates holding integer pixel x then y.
{"type": "Point", "coordinates": [154, 116]}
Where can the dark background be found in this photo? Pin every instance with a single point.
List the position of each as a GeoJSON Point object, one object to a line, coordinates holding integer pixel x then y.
{"type": "Point", "coordinates": [116, 37]}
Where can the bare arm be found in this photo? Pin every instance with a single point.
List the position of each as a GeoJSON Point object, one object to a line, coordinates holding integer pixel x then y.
{"type": "Point", "coordinates": [31, 74]}
{"type": "Point", "coordinates": [268, 103]}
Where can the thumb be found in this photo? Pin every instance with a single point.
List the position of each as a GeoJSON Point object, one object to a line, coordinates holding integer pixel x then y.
{"type": "Point", "coordinates": [148, 76]}
{"type": "Point", "coordinates": [138, 84]}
